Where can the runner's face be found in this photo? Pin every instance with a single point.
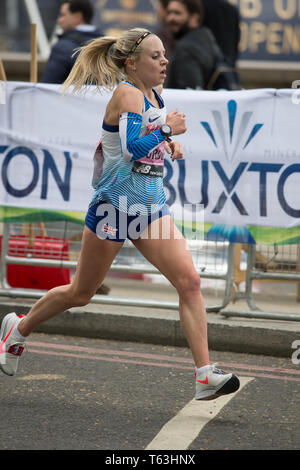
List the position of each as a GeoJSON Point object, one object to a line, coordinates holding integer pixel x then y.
{"type": "Point", "coordinates": [151, 64]}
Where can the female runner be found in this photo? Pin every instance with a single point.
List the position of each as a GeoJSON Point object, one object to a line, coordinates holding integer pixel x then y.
{"type": "Point", "coordinates": [129, 199]}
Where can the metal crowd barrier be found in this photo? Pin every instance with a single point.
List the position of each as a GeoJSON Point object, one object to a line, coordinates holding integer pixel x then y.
{"type": "Point", "coordinates": [269, 263]}
{"type": "Point", "coordinates": [213, 260]}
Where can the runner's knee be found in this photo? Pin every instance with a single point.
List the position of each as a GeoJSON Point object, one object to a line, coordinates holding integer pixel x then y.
{"type": "Point", "coordinates": [79, 298]}
{"type": "Point", "coordinates": [188, 284]}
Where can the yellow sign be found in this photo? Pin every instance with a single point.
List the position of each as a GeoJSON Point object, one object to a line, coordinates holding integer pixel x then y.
{"type": "Point", "coordinates": [270, 29]}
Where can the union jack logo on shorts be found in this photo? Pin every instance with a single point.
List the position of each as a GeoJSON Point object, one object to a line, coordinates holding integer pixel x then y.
{"type": "Point", "coordinates": [110, 230]}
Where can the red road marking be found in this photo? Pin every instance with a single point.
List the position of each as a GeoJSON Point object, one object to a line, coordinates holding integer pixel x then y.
{"type": "Point", "coordinates": [115, 352]}
{"type": "Point", "coordinates": [101, 355]}
{"type": "Point", "coordinates": [112, 352]}
{"type": "Point", "coordinates": [110, 359]}
{"type": "Point", "coordinates": [262, 368]}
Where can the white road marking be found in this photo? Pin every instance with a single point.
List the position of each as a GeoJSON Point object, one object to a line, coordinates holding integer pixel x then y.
{"type": "Point", "coordinates": [180, 431]}
{"type": "Point", "coordinates": [42, 377]}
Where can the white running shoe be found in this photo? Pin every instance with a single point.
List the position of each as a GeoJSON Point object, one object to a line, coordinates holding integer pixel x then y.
{"type": "Point", "coordinates": [10, 346]}
{"type": "Point", "coordinates": [213, 383]}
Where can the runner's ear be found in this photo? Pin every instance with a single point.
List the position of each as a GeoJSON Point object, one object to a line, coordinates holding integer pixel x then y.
{"type": "Point", "coordinates": [130, 64]}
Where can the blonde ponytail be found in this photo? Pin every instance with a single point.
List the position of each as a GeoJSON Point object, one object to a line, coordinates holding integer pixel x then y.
{"type": "Point", "coordinates": [94, 66]}
{"type": "Point", "coordinates": [102, 61]}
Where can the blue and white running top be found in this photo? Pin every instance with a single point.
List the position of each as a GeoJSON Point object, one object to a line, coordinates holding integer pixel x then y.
{"type": "Point", "coordinates": [128, 162]}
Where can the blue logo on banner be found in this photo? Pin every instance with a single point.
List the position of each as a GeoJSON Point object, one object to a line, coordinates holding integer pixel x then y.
{"type": "Point", "coordinates": [234, 139]}
{"type": "Point", "coordinates": [235, 134]}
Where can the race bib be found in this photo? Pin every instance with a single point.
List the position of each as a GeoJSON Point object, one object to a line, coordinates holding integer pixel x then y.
{"type": "Point", "coordinates": [152, 164]}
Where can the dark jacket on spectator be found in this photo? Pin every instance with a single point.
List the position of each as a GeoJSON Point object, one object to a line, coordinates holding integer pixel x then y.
{"type": "Point", "coordinates": [223, 19]}
{"type": "Point", "coordinates": [194, 60]}
{"type": "Point", "coordinates": [61, 61]}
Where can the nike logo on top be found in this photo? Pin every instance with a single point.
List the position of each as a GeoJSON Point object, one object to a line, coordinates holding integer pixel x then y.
{"type": "Point", "coordinates": [154, 119]}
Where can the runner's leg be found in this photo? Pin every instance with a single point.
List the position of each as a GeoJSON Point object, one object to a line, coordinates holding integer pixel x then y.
{"type": "Point", "coordinates": [94, 262]}
{"type": "Point", "coordinates": [171, 256]}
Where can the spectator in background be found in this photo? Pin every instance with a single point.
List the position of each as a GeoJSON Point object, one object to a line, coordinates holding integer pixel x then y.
{"type": "Point", "coordinates": [197, 61]}
{"type": "Point", "coordinates": [163, 31]}
{"type": "Point", "coordinates": [196, 52]}
{"type": "Point", "coordinates": [223, 19]}
{"type": "Point", "coordinates": [75, 19]}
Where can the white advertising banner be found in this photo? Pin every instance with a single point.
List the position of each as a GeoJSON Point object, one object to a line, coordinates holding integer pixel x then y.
{"type": "Point", "coordinates": [241, 158]}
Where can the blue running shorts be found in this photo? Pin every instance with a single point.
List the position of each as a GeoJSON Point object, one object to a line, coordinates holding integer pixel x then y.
{"type": "Point", "coordinates": [109, 223]}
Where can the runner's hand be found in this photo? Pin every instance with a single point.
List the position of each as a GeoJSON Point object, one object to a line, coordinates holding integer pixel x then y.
{"type": "Point", "coordinates": [175, 149]}
{"type": "Point", "coordinates": [176, 121]}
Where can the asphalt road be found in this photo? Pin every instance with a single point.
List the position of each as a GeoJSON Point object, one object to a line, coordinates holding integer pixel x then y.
{"type": "Point", "coordinates": [88, 394]}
